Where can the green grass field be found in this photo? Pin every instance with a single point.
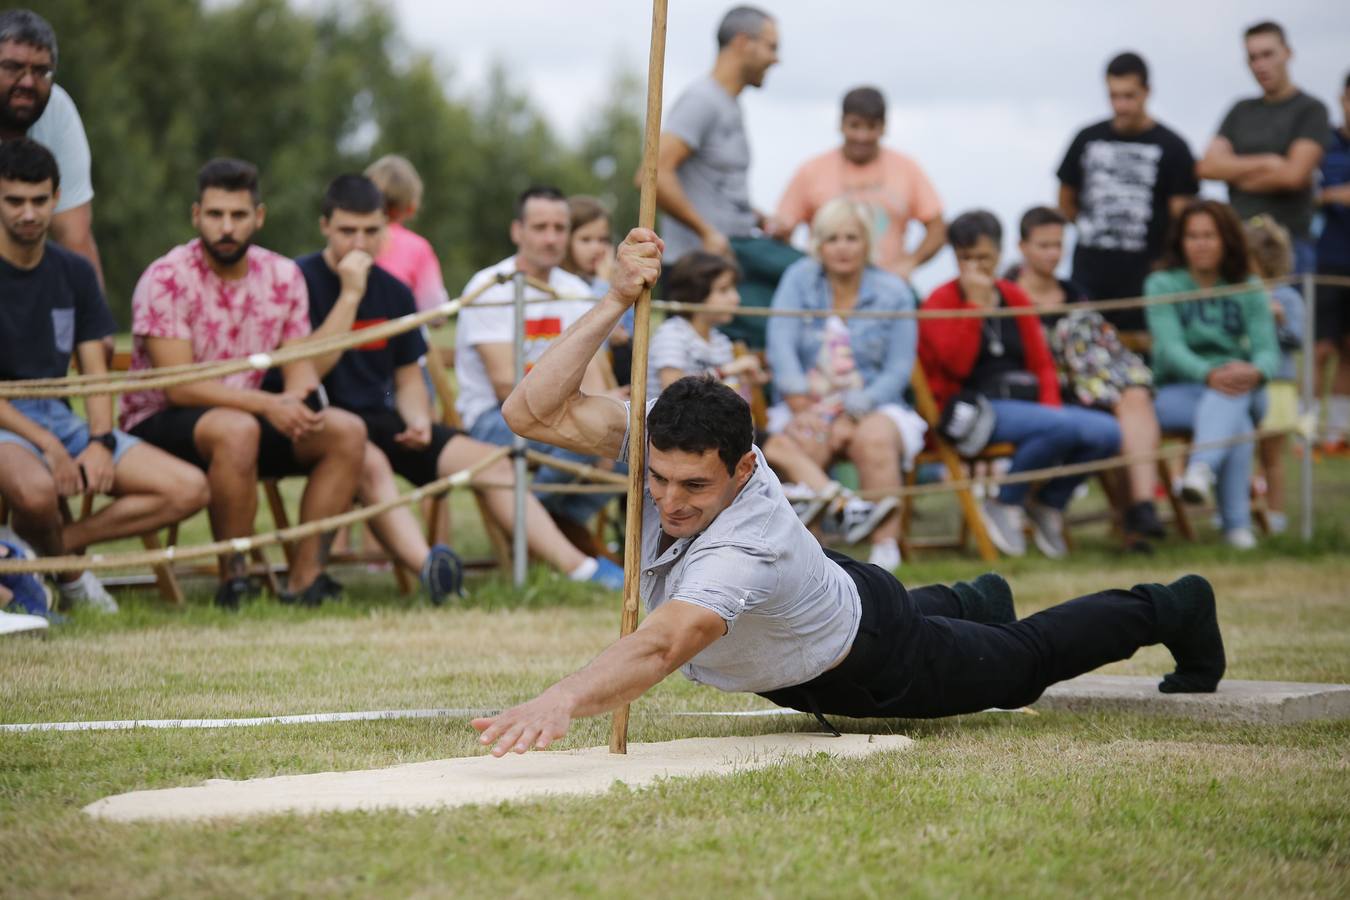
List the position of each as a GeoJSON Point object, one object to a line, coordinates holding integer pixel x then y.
{"type": "Point", "coordinates": [986, 805]}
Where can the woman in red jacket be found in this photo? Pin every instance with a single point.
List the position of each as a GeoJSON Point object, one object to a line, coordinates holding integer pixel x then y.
{"type": "Point", "coordinates": [1007, 360]}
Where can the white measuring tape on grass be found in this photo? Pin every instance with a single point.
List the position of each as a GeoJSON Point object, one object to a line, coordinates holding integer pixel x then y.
{"type": "Point", "coordinates": [367, 716]}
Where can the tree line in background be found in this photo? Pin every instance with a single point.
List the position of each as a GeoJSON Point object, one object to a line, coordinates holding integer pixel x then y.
{"type": "Point", "coordinates": [164, 85]}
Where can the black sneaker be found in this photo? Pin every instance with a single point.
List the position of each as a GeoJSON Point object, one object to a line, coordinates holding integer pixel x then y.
{"type": "Point", "coordinates": [1142, 519]}
{"type": "Point", "coordinates": [442, 574]}
{"type": "Point", "coordinates": [232, 592]}
{"type": "Point", "coordinates": [320, 589]}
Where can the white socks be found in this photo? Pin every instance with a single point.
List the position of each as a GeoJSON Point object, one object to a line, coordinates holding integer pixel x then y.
{"type": "Point", "coordinates": [585, 570]}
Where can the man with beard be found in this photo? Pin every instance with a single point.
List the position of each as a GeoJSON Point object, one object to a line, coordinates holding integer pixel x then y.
{"type": "Point", "coordinates": [51, 306]}
{"type": "Point", "coordinates": [32, 104]}
{"type": "Point", "coordinates": [219, 297]}
{"type": "Point", "coordinates": [703, 167]}
{"type": "Point", "coordinates": [890, 185]}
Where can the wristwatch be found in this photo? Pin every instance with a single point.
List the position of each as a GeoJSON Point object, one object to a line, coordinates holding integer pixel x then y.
{"type": "Point", "coordinates": [106, 439]}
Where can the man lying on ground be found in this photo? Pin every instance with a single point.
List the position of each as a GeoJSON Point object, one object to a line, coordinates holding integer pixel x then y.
{"type": "Point", "coordinates": [51, 306]}
{"type": "Point", "coordinates": [382, 383]}
{"type": "Point", "coordinates": [742, 598]}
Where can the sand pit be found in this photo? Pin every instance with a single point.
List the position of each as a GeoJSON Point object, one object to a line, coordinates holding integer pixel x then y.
{"type": "Point", "coordinates": [481, 779]}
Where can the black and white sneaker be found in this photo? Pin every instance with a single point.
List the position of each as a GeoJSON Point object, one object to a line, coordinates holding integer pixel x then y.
{"type": "Point", "coordinates": [443, 574]}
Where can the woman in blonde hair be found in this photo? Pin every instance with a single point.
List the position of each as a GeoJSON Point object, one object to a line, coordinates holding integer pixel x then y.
{"type": "Point", "coordinates": [840, 380]}
{"type": "Point", "coordinates": [1272, 256]}
{"type": "Point", "coordinates": [406, 255]}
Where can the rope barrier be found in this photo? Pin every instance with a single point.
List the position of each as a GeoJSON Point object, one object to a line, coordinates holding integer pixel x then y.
{"type": "Point", "coordinates": [171, 376]}
{"type": "Point", "coordinates": [142, 559]}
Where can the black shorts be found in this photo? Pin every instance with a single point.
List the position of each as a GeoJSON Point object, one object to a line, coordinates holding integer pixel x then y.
{"type": "Point", "coordinates": [418, 466]}
{"type": "Point", "coordinates": [1333, 306]}
{"type": "Point", "coordinates": [172, 430]}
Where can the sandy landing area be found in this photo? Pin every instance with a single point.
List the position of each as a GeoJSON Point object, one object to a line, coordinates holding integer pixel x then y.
{"type": "Point", "coordinates": [481, 779]}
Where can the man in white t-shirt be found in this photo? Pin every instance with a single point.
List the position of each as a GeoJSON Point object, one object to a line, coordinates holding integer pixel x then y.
{"type": "Point", "coordinates": [485, 334]}
{"type": "Point", "coordinates": [740, 597]}
{"type": "Point", "coordinates": [32, 105]}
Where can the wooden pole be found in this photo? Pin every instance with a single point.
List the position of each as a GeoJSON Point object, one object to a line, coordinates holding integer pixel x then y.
{"type": "Point", "coordinates": [637, 423]}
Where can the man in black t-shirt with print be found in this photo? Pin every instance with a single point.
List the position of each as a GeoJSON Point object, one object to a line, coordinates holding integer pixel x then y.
{"type": "Point", "coordinates": [382, 382]}
{"type": "Point", "coordinates": [1120, 184]}
{"type": "Point", "coordinates": [1268, 148]}
{"type": "Point", "coordinates": [50, 308]}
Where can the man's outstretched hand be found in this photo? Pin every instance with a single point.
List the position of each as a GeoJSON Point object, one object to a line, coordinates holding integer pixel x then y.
{"type": "Point", "coordinates": [531, 725]}
{"type": "Point", "coordinates": [637, 265]}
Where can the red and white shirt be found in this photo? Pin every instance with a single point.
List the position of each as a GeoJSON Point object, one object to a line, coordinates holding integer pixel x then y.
{"type": "Point", "coordinates": [180, 297]}
{"type": "Point", "coordinates": [544, 322]}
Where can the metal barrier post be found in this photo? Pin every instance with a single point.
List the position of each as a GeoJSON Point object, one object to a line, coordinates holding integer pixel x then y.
{"type": "Point", "coordinates": [1309, 402]}
{"type": "Point", "coordinates": [520, 554]}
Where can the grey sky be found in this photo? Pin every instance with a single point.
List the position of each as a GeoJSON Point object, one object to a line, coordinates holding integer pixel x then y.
{"type": "Point", "coordinates": [986, 95]}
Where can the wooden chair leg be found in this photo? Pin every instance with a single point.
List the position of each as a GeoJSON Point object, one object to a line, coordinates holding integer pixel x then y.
{"type": "Point", "coordinates": [169, 588]}
{"type": "Point", "coordinates": [908, 479]}
{"type": "Point", "coordinates": [497, 536]}
{"type": "Point", "coordinates": [269, 577]}
{"type": "Point", "coordinates": [970, 512]}
{"type": "Point", "coordinates": [1180, 515]}
{"type": "Point", "coordinates": [279, 517]}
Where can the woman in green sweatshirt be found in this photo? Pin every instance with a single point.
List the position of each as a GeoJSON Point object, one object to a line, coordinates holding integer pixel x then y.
{"type": "Point", "coordinates": [1211, 358]}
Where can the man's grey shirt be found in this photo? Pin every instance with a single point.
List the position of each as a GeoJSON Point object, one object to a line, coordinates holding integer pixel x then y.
{"type": "Point", "coordinates": [790, 612]}
{"type": "Point", "coordinates": [716, 174]}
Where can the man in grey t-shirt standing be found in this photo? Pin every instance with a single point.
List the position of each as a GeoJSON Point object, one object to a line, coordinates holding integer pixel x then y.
{"type": "Point", "coordinates": [1269, 147]}
{"type": "Point", "coordinates": [740, 597]}
{"type": "Point", "coordinates": [703, 170]}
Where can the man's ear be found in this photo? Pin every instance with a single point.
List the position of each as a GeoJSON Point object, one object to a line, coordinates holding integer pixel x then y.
{"type": "Point", "coordinates": [517, 229]}
{"type": "Point", "coordinates": [261, 209]}
{"type": "Point", "coordinates": [745, 467]}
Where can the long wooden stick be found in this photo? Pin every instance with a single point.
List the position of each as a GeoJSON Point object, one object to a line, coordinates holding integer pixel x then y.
{"type": "Point", "coordinates": [637, 422]}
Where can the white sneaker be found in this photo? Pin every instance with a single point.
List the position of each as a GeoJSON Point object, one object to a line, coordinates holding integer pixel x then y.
{"type": "Point", "coordinates": [1197, 484]}
{"type": "Point", "coordinates": [866, 518]}
{"type": "Point", "coordinates": [21, 623]}
{"type": "Point", "coordinates": [1004, 523]}
{"type": "Point", "coordinates": [87, 591]}
{"type": "Point", "coordinates": [1047, 530]}
{"type": "Point", "coordinates": [885, 554]}
{"type": "Point", "coordinates": [1240, 538]}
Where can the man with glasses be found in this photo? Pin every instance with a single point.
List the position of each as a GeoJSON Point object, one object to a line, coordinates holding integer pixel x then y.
{"type": "Point", "coordinates": [33, 105]}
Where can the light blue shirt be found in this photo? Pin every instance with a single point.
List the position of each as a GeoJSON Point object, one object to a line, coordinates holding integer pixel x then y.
{"type": "Point", "coordinates": [61, 131]}
{"type": "Point", "coordinates": [883, 349]}
{"type": "Point", "coordinates": [791, 613]}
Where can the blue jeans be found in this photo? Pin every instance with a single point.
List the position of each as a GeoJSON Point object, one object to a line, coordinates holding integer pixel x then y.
{"type": "Point", "coordinates": [68, 428]}
{"type": "Point", "coordinates": [1213, 416]}
{"type": "Point", "coordinates": [491, 428]}
{"type": "Point", "coordinates": [1046, 436]}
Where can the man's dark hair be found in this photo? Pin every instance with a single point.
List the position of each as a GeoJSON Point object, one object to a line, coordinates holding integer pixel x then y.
{"type": "Point", "coordinates": [691, 279]}
{"type": "Point", "coordinates": [866, 102]}
{"type": "Point", "coordinates": [1234, 268]}
{"type": "Point", "coordinates": [1038, 216]}
{"type": "Point", "coordinates": [353, 194]}
{"type": "Point", "coordinates": [969, 227]}
{"type": "Point", "coordinates": [23, 26]}
{"type": "Point", "coordinates": [747, 20]}
{"type": "Point", "coordinates": [28, 161]}
{"type": "Point", "coordinates": [228, 175]}
{"type": "Point", "coordinates": [1128, 64]}
{"type": "Point", "coordinates": [1266, 27]}
{"type": "Point", "coordinates": [537, 192]}
{"type": "Point", "coordinates": [698, 413]}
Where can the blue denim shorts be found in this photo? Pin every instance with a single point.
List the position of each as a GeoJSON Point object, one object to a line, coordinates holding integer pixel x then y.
{"type": "Point", "coordinates": [60, 420]}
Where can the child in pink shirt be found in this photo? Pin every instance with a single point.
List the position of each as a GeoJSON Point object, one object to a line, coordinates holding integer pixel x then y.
{"type": "Point", "coordinates": [406, 255]}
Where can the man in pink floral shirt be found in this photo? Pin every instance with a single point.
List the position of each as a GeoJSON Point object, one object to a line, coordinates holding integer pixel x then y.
{"type": "Point", "coordinates": [219, 297]}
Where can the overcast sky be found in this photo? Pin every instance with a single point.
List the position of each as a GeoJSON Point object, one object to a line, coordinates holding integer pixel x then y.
{"type": "Point", "coordinates": [985, 95]}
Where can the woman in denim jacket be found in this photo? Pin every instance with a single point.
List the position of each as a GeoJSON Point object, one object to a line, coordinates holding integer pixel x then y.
{"type": "Point", "coordinates": [839, 381]}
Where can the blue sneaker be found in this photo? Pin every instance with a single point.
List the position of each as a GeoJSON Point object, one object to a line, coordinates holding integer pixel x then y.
{"type": "Point", "coordinates": [443, 574]}
{"type": "Point", "coordinates": [31, 596]}
{"type": "Point", "coordinates": [607, 574]}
